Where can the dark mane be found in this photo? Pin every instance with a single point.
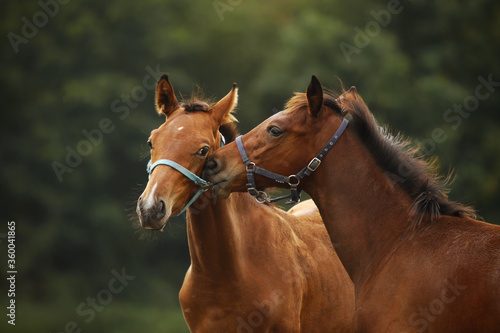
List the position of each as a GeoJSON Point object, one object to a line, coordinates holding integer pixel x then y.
{"type": "Point", "coordinates": [198, 103]}
{"type": "Point", "coordinates": [299, 100]}
{"type": "Point", "coordinates": [229, 131]}
{"type": "Point", "coordinates": [403, 164]}
{"type": "Point", "coordinates": [195, 106]}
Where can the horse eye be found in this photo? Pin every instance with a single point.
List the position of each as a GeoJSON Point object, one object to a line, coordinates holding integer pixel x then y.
{"type": "Point", "coordinates": [274, 131]}
{"type": "Point", "coordinates": [150, 144]}
{"type": "Point", "coordinates": [203, 151]}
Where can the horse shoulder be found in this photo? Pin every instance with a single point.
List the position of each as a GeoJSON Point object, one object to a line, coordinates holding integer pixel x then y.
{"type": "Point", "coordinates": [324, 276]}
{"type": "Point", "coordinates": [448, 271]}
{"type": "Point", "coordinates": [304, 208]}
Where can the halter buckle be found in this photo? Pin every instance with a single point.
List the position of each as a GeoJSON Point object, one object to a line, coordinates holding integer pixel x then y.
{"type": "Point", "coordinates": [253, 191]}
{"type": "Point", "coordinates": [314, 164]}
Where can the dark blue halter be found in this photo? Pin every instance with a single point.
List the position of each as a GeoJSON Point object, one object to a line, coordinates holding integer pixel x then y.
{"type": "Point", "coordinates": [293, 180]}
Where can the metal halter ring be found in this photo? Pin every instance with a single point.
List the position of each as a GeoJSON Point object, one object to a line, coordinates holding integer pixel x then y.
{"type": "Point", "coordinates": [250, 166]}
{"type": "Point", "coordinates": [292, 180]}
{"type": "Point", "coordinates": [206, 187]}
{"type": "Point", "coordinates": [293, 177]}
{"type": "Point", "coordinates": [262, 197]}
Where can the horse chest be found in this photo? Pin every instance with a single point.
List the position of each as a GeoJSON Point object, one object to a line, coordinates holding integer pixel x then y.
{"type": "Point", "coordinates": [222, 308]}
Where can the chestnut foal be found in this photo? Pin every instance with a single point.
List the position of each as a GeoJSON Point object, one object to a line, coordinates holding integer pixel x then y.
{"type": "Point", "coordinates": [254, 268]}
{"type": "Point", "coordinates": [419, 262]}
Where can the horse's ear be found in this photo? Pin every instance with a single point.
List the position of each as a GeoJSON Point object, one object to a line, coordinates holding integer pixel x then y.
{"type": "Point", "coordinates": [348, 94]}
{"type": "Point", "coordinates": [314, 95]}
{"type": "Point", "coordinates": [222, 111]}
{"type": "Point", "coordinates": [352, 92]}
{"type": "Point", "coordinates": [166, 102]}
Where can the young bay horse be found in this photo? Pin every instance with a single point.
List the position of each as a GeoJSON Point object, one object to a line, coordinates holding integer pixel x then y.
{"type": "Point", "coordinates": [419, 262]}
{"type": "Point", "coordinates": [254, 268]}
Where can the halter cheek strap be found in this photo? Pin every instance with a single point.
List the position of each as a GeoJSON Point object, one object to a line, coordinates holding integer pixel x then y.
{"type": "Point", "coordinates": [293, 180]}
{"type": "Point", "coordinates": [252, 169]}
{"type": "Point", "coordinates": [200, 182]}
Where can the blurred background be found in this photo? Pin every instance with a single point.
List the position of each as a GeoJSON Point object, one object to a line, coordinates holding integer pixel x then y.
{"type": "Point", "coordinates": [77, 87]}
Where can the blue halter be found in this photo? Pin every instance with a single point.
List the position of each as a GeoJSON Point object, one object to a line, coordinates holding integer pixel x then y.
{"type": "Point", "coordinates": [202, 183]}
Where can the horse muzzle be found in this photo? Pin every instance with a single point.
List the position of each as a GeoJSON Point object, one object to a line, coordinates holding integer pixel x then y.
{"type": "Point", "coordinates": [153, 216]}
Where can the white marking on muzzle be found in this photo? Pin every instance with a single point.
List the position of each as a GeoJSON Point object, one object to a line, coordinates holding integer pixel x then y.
{"type": "Point", "coordinates": [150, 201]}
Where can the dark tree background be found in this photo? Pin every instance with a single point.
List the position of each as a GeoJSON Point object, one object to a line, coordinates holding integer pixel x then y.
{"type": "Point", "coordinates": [76, 87]}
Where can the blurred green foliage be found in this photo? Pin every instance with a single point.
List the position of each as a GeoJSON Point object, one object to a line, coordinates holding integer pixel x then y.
{"type": "Point", "coordinates": [80, 66]}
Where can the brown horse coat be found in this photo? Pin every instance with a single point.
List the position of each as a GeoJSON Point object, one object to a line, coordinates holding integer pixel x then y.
{"type": "Point", "coordinates": [419, 262]}
{"type": "Point", "coordinates": [254, 268]}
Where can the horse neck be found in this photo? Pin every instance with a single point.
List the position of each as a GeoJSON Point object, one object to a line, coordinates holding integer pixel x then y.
{"type": "Point", "coordinates": [364, 212]}
{"type": "Point", "coordinates": [216, 235]}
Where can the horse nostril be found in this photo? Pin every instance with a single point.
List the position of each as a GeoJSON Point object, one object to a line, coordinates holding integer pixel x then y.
{"type": "Point", "coordinates": [211, 164]}
{"type": "Point", "coordinates": [210, 168]}
{"type": "Point", "coordinates": [162, 211]}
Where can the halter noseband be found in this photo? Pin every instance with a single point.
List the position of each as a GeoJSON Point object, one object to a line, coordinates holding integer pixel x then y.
{"type": "Point", "coordinates": [200, 182]}
{"type": "Point", "coordinates": [293, 180]}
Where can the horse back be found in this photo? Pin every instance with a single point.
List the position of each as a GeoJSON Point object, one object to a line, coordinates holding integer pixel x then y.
{"type": "Point", "coordinates": [444, 277]}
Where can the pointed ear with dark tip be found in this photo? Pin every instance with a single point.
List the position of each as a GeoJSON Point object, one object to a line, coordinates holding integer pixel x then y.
{"type": "Point", "coordinates": [314, 95]}
{"type": "Point", "coordinates": [222, 111]}
{"type": "Point", "coordinates": [166, 102]}
{"type": "Point", "coordinates": [352, 93]}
